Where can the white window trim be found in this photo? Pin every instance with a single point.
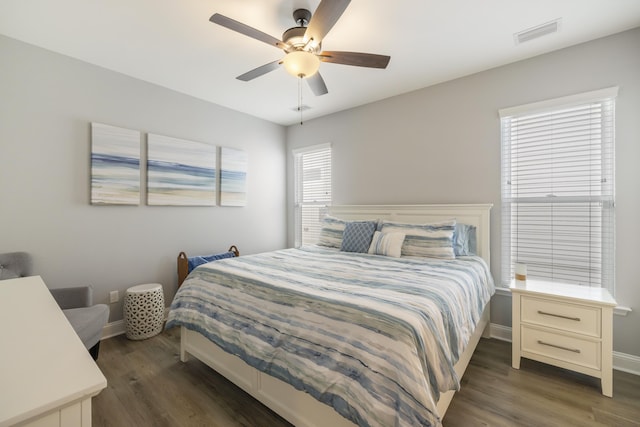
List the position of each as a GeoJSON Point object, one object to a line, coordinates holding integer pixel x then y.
{"type": "Point", "coordinates": [565, 101]}
{"type": "Point", "coordinates": [552, 105]}
{"type": "Point", "coordinates": [302, 150]}
{"type": "Point", "coordinates": [296, 205]}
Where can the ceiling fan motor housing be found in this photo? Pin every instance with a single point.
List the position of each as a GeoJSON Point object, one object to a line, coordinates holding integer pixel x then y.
{"type": "Point", "coordinates": [294, 37]}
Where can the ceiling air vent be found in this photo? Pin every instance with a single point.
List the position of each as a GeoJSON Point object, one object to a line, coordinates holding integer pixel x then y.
{"type": "Point", "coordinates": [539, 31]}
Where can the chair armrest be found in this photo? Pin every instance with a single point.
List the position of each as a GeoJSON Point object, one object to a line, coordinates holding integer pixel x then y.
{"type": "Point", "coordinates": [77, 297]}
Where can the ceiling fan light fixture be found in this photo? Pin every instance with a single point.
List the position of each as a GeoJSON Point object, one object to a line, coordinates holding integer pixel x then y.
{"type": "Point", "coordinates": [302, 46]}
{"type": "Point", "coordinates": [301, 63]}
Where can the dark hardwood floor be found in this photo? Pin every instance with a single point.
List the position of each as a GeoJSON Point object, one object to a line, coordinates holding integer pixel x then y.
{"type": "Point", "coordinates": [149, 386]}
{"type": "Point", "coordinates": [494, 394]}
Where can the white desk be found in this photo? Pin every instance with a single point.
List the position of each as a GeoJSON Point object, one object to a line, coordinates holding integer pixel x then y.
{"type": "Point", "coordinates": [47, 377]}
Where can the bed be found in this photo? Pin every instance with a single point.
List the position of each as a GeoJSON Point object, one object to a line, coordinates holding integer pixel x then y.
{"type": "Point", "coordinates": [326, 337]}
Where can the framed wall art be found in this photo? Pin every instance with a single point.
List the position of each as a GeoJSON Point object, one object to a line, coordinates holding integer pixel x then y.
{"type": "Point", "coordinates": [233, 177]}
{"type": "Point", "coordinates": [115, 165]}
{"type": "Point", "coordinates": [180, 172]}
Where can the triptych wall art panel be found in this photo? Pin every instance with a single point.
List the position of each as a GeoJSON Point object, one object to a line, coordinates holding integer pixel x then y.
{"type": "Point", "coordinates": [115, 165]}
{"type": "Point", "coordinates": [233, 177]}
{"type": "Point", "coordinates": [180, 172]}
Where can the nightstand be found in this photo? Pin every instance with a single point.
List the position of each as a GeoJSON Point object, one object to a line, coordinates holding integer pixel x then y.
{"type": "Point", "coordinates": [564, 325]}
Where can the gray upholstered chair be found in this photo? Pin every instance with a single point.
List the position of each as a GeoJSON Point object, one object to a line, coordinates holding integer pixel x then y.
{"type": "Point", "coordinates": [14, 265]}
{"type": "Point", "coordinates": [76, 303]}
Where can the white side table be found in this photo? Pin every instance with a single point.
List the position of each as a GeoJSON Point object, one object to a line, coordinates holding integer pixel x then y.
{"type": "Point", "coordinates": [569, 326]}
{"type": "Point", "coordinates": [143, 311]}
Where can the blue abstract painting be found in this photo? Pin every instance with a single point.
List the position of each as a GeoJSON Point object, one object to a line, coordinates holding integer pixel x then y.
{"type": "Point", "coordinates": [115, 165]}
{"type": "Point", "coordinates": [233, 177]}
{"type": "Point", "coordinates": [180, 172]}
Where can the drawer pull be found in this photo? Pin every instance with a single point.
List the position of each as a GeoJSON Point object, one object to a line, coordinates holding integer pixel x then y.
{"type": "Point", "coordinates": [573, 350]}
{"type": "Point", "coordinates": [544, 313]}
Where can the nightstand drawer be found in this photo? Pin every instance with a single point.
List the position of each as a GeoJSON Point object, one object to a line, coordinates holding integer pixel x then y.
{"type": "Point", "coordinates": [561, 347]}
{"type": "Point", "coordinates": [560, 315]}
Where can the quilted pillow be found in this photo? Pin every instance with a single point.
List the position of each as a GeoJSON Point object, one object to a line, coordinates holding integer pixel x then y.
{"type": "Point", "coordinates": [388, 244]}
{"type": "Point", "coordinates": [331, 232]}
{"type": "Point", "coordinates": [357, 236]}
{"type": "Point", "coordinates": [425, 240]}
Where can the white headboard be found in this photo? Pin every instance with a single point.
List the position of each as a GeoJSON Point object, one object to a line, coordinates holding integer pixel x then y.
{"type": "Point", "coordinates": [472, 214]}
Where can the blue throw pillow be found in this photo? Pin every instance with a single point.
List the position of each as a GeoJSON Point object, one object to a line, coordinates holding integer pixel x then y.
{"type": "Point", "coordinates": [357, 236]}
{"type": "Point", "coordinates": [464, 240]}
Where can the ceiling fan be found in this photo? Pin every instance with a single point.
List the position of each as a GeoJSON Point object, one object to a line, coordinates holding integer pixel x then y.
{"type": "Point", "coordinates": [302, 45]}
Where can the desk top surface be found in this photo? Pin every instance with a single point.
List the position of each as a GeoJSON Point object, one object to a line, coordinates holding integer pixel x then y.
{"type": "Point", "coordinates": [43, 363]}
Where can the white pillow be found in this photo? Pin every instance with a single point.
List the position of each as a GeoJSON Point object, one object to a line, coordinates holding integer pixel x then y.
{"type": "Point", "coordinates": [388, 244]}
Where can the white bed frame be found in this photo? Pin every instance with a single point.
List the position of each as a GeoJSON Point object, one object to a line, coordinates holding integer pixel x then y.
{"type": "Point", "coordinates": [298, 407]}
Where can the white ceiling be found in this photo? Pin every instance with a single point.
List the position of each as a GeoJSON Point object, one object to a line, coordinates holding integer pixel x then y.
{"type": "Point", "coordinates": [172, 43]}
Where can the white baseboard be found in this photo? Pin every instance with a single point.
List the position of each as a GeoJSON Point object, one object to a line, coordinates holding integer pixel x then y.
{"type": "Point", "coordinates": [621, 361]}
{"type": "Point", "coordinates": [116, 328]}
{"type": "Point", "coordinates": [626, 363]}
{"type": "Point", "coordinates": [500, 332]}
{"type": "Point", "coordinates": [113, 329]}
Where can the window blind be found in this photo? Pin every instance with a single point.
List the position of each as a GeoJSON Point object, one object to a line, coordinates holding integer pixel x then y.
{"type": "Point", "coordinates": [312, 191]}
{"type": "Point", "coordinates": [558, 192]}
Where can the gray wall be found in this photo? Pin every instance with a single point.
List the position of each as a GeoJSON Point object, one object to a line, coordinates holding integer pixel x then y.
{"type": "Point", "coordinates": [437, 145]}
{"type": "Point", "coordinates": [47, 102]}
{"type": "Point", "coordinates": [441, 144]}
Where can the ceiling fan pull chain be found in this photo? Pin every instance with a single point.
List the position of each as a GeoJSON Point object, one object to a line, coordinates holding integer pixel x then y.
{"type": "Point", "coordinates": [300, 97]}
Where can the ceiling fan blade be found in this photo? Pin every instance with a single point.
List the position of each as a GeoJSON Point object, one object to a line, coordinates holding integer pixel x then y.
{"type": "Point", "coordinates": [257, 72]}
{"type": "Point", "coordinates": [324, 18]}
{"type": "Point", "coordinates": [355, 58]}
{"type": "Point", "coordinates": [241, 28]}
{"type": "Point", "coordinates": [317, 85]}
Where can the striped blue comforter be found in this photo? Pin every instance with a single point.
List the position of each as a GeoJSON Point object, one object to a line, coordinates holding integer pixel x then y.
{"type": "Point", "coordinates": [374, 337]}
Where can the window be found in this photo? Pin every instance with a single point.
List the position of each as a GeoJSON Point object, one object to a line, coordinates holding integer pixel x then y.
{"type": "Point", "coordinates": [558, 193]}
{"type": "Point", "coordinates": [312, 169]}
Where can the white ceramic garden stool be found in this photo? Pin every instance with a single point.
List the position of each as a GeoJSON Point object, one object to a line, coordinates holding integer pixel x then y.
{"type": "Point", "coordinates": [143, 311]}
